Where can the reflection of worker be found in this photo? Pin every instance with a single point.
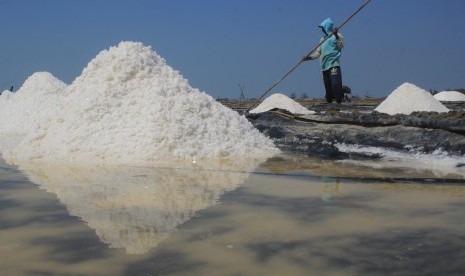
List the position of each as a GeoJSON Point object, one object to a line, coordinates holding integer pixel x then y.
{"type": "Point", "coordinates": [329, 53]}
{"type": "Point", "coordinates": [330, 189]}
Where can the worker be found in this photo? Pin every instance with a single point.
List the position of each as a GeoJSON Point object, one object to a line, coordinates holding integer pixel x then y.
{"type": "Point", "coordinates": [329, 53]}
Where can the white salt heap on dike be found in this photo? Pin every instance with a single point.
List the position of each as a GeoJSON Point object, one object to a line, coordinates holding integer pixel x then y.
{"type": "Point", "coordinates": [450, 96]}
{"type": "Point", "coordinates": [129, 107]}
{"type": "Point", "coordinates": [281, 101]}
{"type": "Point", "coordinates": [409, 98]}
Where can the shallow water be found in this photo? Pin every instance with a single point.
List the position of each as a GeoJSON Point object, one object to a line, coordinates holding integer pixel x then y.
{"type": "Point", "coordinates": [290, 216]}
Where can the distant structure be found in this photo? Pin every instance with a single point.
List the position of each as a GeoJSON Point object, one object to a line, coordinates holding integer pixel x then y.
{"type": "Point", "coordinates": [242, 97]}
{"type": "Point", "coordinates": [347, 93]}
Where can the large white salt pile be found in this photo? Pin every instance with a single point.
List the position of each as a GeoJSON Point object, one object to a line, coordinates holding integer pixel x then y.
{"type": "Point", "coordinates": [409, 98]}
{"type": "Point", "coordinates": [450, 96]}
{"type": "Point", "coordinates": [21, 111]}
{"type": "Point", "coordinates": [282, 102]}
{"type": "Point", "coordinates": [129, 107]}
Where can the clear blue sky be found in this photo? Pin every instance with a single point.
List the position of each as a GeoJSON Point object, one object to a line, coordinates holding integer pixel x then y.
{"type": "Point", "coordinates": [218, 44]}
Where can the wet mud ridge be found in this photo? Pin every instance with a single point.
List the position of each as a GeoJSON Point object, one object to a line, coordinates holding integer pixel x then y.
{"type": "Point", "coordinates": [322, 134]}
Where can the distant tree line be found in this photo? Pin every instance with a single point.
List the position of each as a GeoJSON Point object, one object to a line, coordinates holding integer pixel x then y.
{"type": "Point", "coordinates": [293, 96]}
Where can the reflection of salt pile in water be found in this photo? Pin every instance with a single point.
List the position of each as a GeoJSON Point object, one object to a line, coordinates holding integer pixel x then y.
{"type": "Point", "coordinates": [450, 96]}
{"type": "Point", "coordinates": [133, 207]}
{"type": "Point", "coordinates": [409, 98]}
{"type": "Point", "coordinates": [35, 99]}
{"type": "Point", "coordinates": [130, 107]}
{"type": "Point", "coordinates": [282, 102]}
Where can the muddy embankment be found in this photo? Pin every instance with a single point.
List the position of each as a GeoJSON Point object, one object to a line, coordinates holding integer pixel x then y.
{"type": "Point", "coordinates": [356, 124]}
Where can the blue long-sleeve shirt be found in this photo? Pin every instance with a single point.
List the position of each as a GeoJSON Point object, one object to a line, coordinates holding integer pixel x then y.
{"type": "Point", "coordinates": [330, 51]}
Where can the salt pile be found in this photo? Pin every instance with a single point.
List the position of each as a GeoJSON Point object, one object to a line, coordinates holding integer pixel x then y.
{"type": "Point", "coordinates": [24, 109]}
{"type": "Point", "coordinates": [450, 96]}
{"type": "Point", "coordinates": [282, 102]}
{"type": "Point", "coordinates": [129, 107]}
{"type": "Point", "coordinates": [439, 162]}
{"type": "Point", "coordinates": [409, 98]}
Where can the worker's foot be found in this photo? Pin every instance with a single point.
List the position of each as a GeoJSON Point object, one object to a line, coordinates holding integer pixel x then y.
{"type": "Point", "coordinates": [332, 109]}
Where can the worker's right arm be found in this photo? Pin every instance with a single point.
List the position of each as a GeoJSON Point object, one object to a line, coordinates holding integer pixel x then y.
{"type": "Point", "coordinates": [315, 54]}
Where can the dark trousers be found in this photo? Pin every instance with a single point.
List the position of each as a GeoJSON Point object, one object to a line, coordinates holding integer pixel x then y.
{"type": "Point", "coordinates": [332, 79]}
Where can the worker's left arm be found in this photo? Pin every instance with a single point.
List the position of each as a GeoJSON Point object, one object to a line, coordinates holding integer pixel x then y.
{"type": "Point", "coordinates": [339, 38]}
{"type": "Point", "coordinates": [340, 41]}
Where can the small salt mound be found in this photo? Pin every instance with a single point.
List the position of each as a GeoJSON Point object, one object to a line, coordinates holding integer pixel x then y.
{"type": "Point", "coordinates": [129, 107]}
{"type": "Point", "coordinates": [23, 110]}
{"type": "Point", "coordinates": [409, 98]}
{"type": "Point", "coordinates": [450, 96]}
{"type": "Point", "coordinates": [40, 83]}
{"type": "Point", "coordinates": [282, 102]}
{"type": "Point", "coordinates": [5, 96]}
